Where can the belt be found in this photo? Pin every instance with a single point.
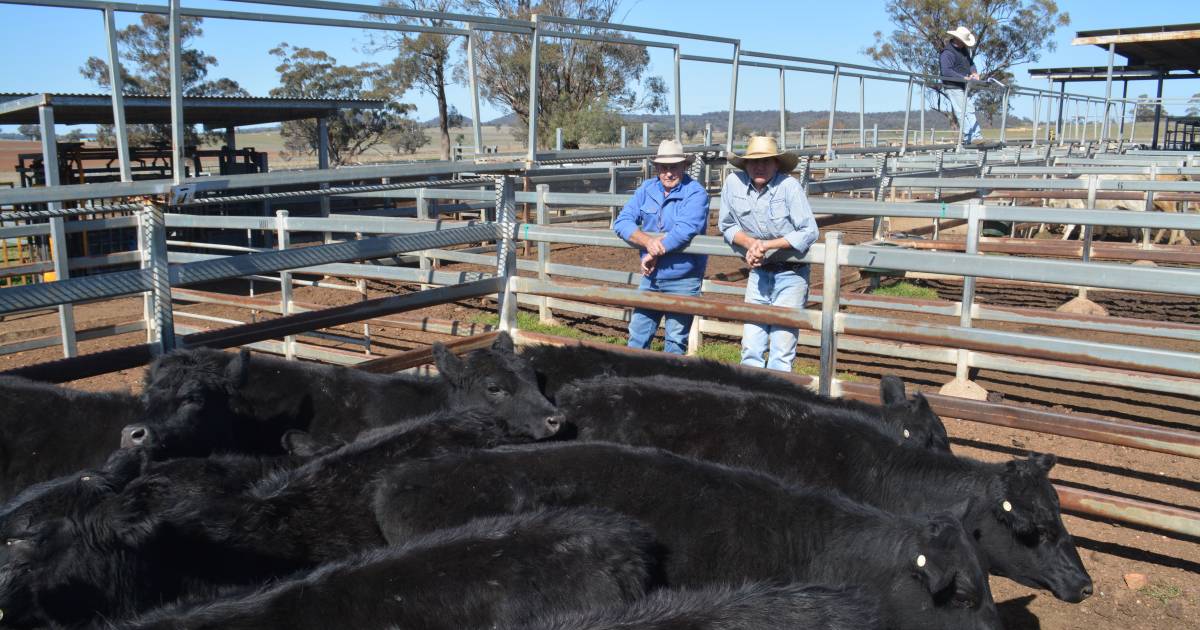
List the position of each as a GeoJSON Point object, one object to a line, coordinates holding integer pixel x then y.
{"type": "Point", "coordinates": [776, 267]}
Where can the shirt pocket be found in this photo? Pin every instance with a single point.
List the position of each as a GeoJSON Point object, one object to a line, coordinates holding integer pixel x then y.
{"type": "Point", "coordinates": [780, 216]}
{"type": "Point", "coordinates": [651, 218]}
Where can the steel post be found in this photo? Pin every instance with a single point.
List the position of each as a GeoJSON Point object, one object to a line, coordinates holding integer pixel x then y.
{"type": "Point", "coordinates": [1004, 117]}
{"type": "Point", "coordinates": [472, 73]}
{"type": "Point", "coordinates": [921, 136]}
{"type": "Point", "coordinates": [1037, 110]}
{"type": "Point", "coordinates": [323, 164]}
{"type": "Point", "coordinates": [803, 138]}
{"type": "Point", "coordinates": [1157, 112]}
{"type": "Point", "coordinates": [117, 86]}
{"type": "Point", "coordinates": [558, 139]}
{"type": "Point", "coordinates": [974, 208]}
{"type": "Point", "coordinates": [624, 137]}
{"type": "Point", "coordinates": [678, 100]}
{"type": "Point", "coordinates": [506, 254]}
{"type": "Point", "coordinates": [543, 218]}
{"type": "Point", "coordinates": [1093, 185]}
{"type": "Point", "coordinates": [862, 112]}
{"type": "Point", "coordinates": [176, 69]}
{"type": "Point", "coordinates": [875, 135]}
{"type": "Point", "coordinates": [733, 88]}
{"type": "Point", "coordinates": [283, 240]}
{"type": "Point", "coordinates": [1107, 91]}
{"type": "Point", "coordinates": [833, 94]}
{"type": "Point", "coordinates": [782, 111]}
{"type": "Point", "coordinates": [1049, 112]}
{"type": "Point", "coordinates": [907, 115]}
{"type": "Point", "coordinates": [1124, 102]}
{"type": "Point", "coordinates": [612, 190]}
{"type": "Point", "coordinates": [533, 89]}
{"type": "Point", "coordinates": [962, 113]}
{"type": "Point", "coordinates": [830, 293]}
{"type": "Point", "coordinates": [58, 236]}
{"type": "Point", "coordinates": [1058, 125]}
{"type": "Point", "coordinates": [423, 262]}
{"type": "Point", "coordinates": [154, 234]}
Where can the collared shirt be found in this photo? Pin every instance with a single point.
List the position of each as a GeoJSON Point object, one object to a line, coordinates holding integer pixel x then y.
{"type": "Point", "coordinates": [681, 214]}
{"type": "Point", "coordinates": [781, 209]}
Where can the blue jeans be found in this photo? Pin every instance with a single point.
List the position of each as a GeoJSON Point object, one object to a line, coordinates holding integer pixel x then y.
{"type": "Point", "coordinates": [778, 288]}
{"type": "Point", "coordinates": [644, 323]}
{"type": "Point", "coordinates": [966, 119]}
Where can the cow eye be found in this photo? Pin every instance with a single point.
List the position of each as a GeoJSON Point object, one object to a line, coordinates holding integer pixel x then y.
{"type": "Point", "coordinates": [493, 388]}
{"type": "Point", "coordinates": [12, 541]}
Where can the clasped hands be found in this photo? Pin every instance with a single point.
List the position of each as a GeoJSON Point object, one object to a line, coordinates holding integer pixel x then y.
{"type": "Point", "coordinates": [654, 250]}
{"type": "Point", "coordinates": [756, 253]}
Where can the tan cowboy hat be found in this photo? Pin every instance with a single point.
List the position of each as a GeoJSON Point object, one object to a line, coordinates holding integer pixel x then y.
{"type": "Point", "coordinates": [964, 35]}
{"type": "Point", "coordinates": [671, 152]}
{"type": "Point", "coordinates": [765, 147]}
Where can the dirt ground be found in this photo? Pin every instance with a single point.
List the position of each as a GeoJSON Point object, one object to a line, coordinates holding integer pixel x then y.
{"type": "Point", "coordinates": [1111, 552]}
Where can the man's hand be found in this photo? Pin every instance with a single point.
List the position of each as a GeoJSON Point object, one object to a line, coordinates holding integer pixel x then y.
{"type": "Point", "coordinates": [655, 247]}
{"type": "Point", "coordinates": [756, 253]}
{"type": "Point", "coordinates": [649, 262]}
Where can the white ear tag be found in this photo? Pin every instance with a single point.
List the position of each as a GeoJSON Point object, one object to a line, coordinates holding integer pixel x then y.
{"type": "Point", "coordinates": [921, 560]}
{"type": "Point", "coordinates": [1006, 506]}
{"type": "Point", "coordinates": [907, 434]}
{"type": "Point", "coordinates": [85, 478]}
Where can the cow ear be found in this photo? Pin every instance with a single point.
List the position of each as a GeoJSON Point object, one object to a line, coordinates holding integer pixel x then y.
{"type": "Point", "coordinates": [238, 370]}
{"type": "Point", "coordinates": [1043, 461]}
{"type": "Point", "coordinates": [448, 364]}
{"type": "Point", "coordinates": [503, 343]}
{"type": "Point", "coordinates": [299, 443]}
{"type": "Point", "coordinates": [936, 578]}
{"type": "Point", "coordinates": [891, 390]}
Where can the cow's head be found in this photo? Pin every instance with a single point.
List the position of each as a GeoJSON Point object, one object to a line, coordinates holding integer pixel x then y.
{"type": "Point", "coordinates": [191, 410]}
{"type": "Point", "coordinates": [945, 586]}
{"type": "Point", "coordinates": [498, 379]}
{"type": "Point", "coordinates": [1021, 532]}
{"type": "Point", "coordinates": [913, 417]}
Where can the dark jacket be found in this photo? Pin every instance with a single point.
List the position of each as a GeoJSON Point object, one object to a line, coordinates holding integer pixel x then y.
{"type": "Point", "coordinates": [956, 64]}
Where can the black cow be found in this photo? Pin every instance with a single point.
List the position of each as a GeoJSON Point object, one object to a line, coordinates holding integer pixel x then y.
{"type": "Point", "coordinates": [716, 524]}
{"type": "Point", "coordinates": [47, 431]}
{"type": "Point", "coordinates": [154, 543]}
{"type": "Point", "coordinates": [908, 421]}
{"type": "Point", "coordinates": [754, 606]}
{"type": "Point", "coordinates": [1025, 541]}
{"type": "Point", "coordinates": [491, 571]}
{"type": "Point", "coordinates": [202, 401]}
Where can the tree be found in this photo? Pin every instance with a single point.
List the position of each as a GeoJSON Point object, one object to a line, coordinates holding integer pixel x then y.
{"type": "Point", "coordinates": [307, 73]}
{"type": "Point", "coordinates": [589, 80]}
{"type": "Point", "coordinates": [424, 57]}
{"type": "Point", "coordinates": [74, 135]}
{"type": "Point", "coordinates": [1144, 111]}
{"type": "Point", "coordinates": [31, 132]}
{"type": "Point", "coordinates": [1009, 33]}
{"type": "Point", "coordinates": [407, 137]}
{"type": "Point", "coordinates": [1194, 105]}
{"type": "Point", "coordinates": [145, 52]}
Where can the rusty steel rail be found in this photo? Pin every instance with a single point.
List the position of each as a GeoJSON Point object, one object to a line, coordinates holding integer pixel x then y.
{"type": "Point", "coordinates": [423, 356]}
{"type": "Point", "coordinates": [1063, 249]}
{"type": "Point", "coordinates": [98, 363]}
{"type": "Point", "coordinates": [1114, 195]}
{"type": "Point", "coordinates": [1084, 502]}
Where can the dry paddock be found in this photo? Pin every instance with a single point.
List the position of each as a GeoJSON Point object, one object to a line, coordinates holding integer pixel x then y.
{"type": "Point", "coordinates": [1115, 555]}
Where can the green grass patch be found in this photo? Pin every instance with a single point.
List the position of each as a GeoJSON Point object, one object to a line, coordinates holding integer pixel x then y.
{"type": "Point", "coordinates": [814, 369]}
{"type": "Point", "coordinates": [531, 323]}
{"type": "Point", "coordinates": [723, 352]}
{"type": "Point", "coordinates": [1160, 591]}
{"type": "Point", "coordinates": [907, 290]}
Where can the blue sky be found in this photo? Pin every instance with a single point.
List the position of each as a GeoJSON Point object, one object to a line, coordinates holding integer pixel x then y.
{"type": "Point", "coordinates": [46, 46]}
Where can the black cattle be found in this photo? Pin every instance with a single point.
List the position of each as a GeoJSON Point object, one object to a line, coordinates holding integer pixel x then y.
{"type": "Point", "coordinates": [716, 523]}
{"type": "Point", "coordinates": [1026, 542]}
{"type": "Point", "coordinates": [907, 421]}
{"type": "Point", "coordinates": [491, 571]}
{"type": "Point", "coordinates": [47, 431]}
{"type": "Point", "coordinates": [754, 606]}
{"type": "Point", "coordinates": [155, 543]}
{"type": "Point", "coordinates": [202, 401]}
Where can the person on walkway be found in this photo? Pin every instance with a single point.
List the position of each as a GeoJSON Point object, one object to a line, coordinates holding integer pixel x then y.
{"type": "Point", "coordinates": [661, 218]}
{"type": "Point", "coordinates": [958, 66]}
{"type": "Point", "coordinates": [764, 208]}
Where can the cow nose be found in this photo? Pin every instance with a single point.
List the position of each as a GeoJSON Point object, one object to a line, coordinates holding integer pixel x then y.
{"type": "Point", "coordinates": [554, 423]}
{"type": "Point", "coordinates": [1086, 591]}
{"type": "Point", "coordinates": [135, 435]}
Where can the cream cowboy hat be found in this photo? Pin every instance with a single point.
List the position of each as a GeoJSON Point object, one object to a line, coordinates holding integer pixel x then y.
{"type": "Point", "coordinates": [765, 147]}
{"type": "Point", "coordinates": [671, 152]}
{"type": "Point", "coordinates": [964, 35]}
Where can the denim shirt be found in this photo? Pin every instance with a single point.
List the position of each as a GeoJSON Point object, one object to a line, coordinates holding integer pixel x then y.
{"type": "Point", "coordinates": [681, 214]}
{"type": "Point", "coordinates": [780, 210]}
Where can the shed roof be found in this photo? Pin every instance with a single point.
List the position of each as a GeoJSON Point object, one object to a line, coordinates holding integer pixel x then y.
{"type": "Point", "coordinates": [210, 111]}
{"type": "Point", "coordinates": [1167, 47]}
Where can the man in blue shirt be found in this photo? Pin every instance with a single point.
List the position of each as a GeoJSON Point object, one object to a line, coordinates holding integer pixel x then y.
{"type": "Point", "coordinates": [957, 67]}
{"type": "Point", "coordinates": [674, 208]}
{"type": "Point", "coordinates": [764, 208]}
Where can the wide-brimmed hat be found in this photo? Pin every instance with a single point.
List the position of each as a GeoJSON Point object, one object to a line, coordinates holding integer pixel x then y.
{"type": "Point", "coordinates": [761, 147]}
{"type": "Point", "coordinates": [964, 35]}
{"type": "Point", "coordinates": [671, 152]}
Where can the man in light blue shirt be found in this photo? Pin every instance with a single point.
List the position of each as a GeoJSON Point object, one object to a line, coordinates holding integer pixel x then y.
{"type": "Point", "coordinates": [764, 208]}
{"type": "Point", "coordinates": [675, 208]}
